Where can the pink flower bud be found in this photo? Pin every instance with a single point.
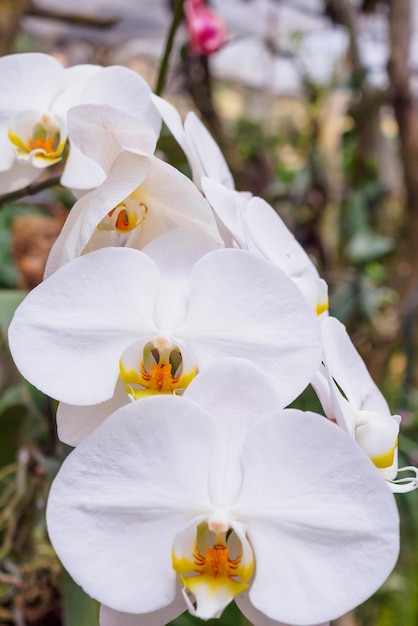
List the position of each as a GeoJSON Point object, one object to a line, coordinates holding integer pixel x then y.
{"type": "Point", "coordinates": [207, 31]}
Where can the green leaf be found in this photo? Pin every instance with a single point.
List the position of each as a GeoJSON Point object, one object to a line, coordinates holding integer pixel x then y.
{"type": "Point", "coordinates": [9, 301]}
{"type": "Point", "coordinates": [78, 608]}
{"type": "Point", "coordinates": [13, 414]}
{"type": "Point", "coordinates": [367, 246]}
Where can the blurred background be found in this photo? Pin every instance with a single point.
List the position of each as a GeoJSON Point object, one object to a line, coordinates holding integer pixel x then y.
{"type": "Point", "coordinates": [315, 106]}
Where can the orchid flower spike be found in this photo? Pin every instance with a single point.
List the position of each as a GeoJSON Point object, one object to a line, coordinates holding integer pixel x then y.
{"type": "Point", "coordinates": [36, 93]}
{"type": "Point", "coordinates": [255, 226]}
{"type": "Point", "coordinates": [350, 397]}
{"type": "Point", "coordinates": [227, 496]}
{"type": "Point", "coordinates": [152, 321]}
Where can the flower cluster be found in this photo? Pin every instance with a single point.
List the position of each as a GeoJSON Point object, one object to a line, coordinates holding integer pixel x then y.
{"type": "Point", "coordinates": [177, 320]}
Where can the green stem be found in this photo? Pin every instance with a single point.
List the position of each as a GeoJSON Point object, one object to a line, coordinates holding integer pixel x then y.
{"type": "Point", "coordinates": [30, 190]}
{"type": "Point", "coordinates": [177, 18]}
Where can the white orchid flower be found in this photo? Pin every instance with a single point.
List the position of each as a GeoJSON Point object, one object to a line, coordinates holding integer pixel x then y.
{"type": "Point", "coordinates": [350, 397]}
{"type": "Point", "coordinates": [203, 153]}
{"type": "Point", "coordinates": [230, 496]}
{"type": "Point", "coordinates": [254, 225]}
{"type": "Point", "coordinates": [141, 197]}
{"type": "Point", "coordinates": [119, 315]}
{"type": "Point", "coordinates": [36, 93]}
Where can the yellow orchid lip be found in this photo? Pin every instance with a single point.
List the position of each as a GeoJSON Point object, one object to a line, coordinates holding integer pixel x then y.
{"type": "Point", "coordinates": [322, 307]}
{"type": "Point", "coordinates": [161, 370]}
{"type": "Point", "coordinates": [42, 139]}
{"type": "Point", "coordinates": [210, 574]}
{"type": "Point", "coordinates": [386, 459]}
{"type": "Point", "coordinates": [125, 217]}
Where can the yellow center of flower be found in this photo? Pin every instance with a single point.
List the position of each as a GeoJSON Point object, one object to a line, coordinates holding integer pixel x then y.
{"type": "Point", "coordinates": [210, 574]}
{"type": "Point", "coordinates": [216, 562]}
{"type": "Point", "coordinates": [44, 139]}
{"type": "Point", "coordinates": [160, 379]}
{"type": "Point", "coordinates": [161, 370]}
{"type": "Point", "coordinates": [125, 217]}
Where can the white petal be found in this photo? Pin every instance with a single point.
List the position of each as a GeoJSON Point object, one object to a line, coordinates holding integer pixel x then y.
{"type": "Point", "coordinates": [229, 206]}
{"type": "Point", "coordinates": [76, 79]}
{"type": "Point", "coordinates": [321, 521]}
{"type": "Point", "coordinates": [130, 484]}
{"type": "Point", "coordinates": [275, 241]}
{"type": "Point", "coordinates": [346, 366]}
{"type": "Point", "coordinates": [68, 334]}
{"type": "Point", "coordinates": [244, 306]}
{"type": "Point", "coordinates": [172, 119]}
{"type": "Point", "coordinates": [18, 176]}
{"type": "Point", "coordinates": [378, 437]}
{"type": "Point", "coordinates": [75, 423]}
{"type": "Point", "coordinates": [176, 252]}
{"type": "Point", "coordinates": [123, 89]}
{"type": "Point", "coordinates": [101, 132]}
{"type": "Point", "coordinates": [213, 162]}
{"type": "Point", "coordinates": [7, 151]}
{"type": "Point", "coordinates": [235, 392]}
{"type": "Point", "coordinates": [173, 201]}
{"type": "Point", "coordinates": [253, 615]}
{"type": "Point", "coordinates": [129, 171]}
{"type": "Point", "coordinates": [80, 172]}
{"type": "Point", "coordinates": [28, 81]}
{"type": "Point", "coordinates": [109, 617]}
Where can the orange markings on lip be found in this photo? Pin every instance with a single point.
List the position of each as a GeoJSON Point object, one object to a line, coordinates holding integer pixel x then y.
{"type": "Point", "coordinates": [41, 144]}
{"type": "Point", "coordinates": [160, 378]}
{"type": "Point", "coordinates": [216, 561]}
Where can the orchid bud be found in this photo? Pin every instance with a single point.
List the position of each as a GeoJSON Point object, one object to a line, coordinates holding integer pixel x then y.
{"type": "Point", "coordinates": [206, 30]}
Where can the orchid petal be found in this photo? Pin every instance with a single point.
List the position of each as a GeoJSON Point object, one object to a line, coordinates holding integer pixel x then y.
{"type": "Point", "coordinates": [322, 389]}
{"type": "Point", "coordinates": [7, 151]}
{"type": "Point", "coordinates": [172, 120]}
{"type": "Point", "coordinates": [235, 392]}
{"type": "Point", "coordinates": [176, 252]}
{"type": "Point", "coordinates": [68, 334]}
{"type": "Point", "coordinates": [228, 206]}
{"type": "Point", "coordinates": [346, 366]}
{"type": "Point", "coordinates": [326, 536]}
{"type": "Point", "coordinates": [213, 161]}
{"type": "Point", "coordinates": [378, 436]}
{"type": "Point", "coordinates": [122, 88]}
{"type": "Point", "coordinates": [18, 176]}
{"type": "Point", "coordinates": [204, 156]}
{"type": "Point", "coordinates": [101, 132]}
{"type": "Point", "coordinates": [75, 423]}
{"type": "Point", "coordinates": [253, 615]}
{"type": "Point", "coordinates": [109, 617]}
{"type": "Point", "coordinates": [76, 79]}
{"type": "Point", "coordinates": [244, 306]}
{"type": "Point", "coordinates": [29, 80]}
{"type": "Point", "coordinates": [130, 484]}
{"type": "Point", "coordinates": [173, 202]}
{"type": "Point", "coordinates": [129, 171]}
{"type": "Point", "coordinates": [80, 172]}
{"type": "Point", "coordinates": [275, 241]}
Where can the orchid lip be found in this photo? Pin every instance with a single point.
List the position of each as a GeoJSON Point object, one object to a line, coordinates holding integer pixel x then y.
{"type": "Point", "coordinates": [157, 367]}
{"type": "Point", "coordinates": [38, 137]}
{"type": "Point", "coordinates": [214, 568]}
{"type": "Point", "coordinates": [127, 216]}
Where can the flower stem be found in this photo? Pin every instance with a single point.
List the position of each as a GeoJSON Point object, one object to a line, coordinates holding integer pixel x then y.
{"type": "Point", "coordinates": [29, 190]}
{"type": "Point", "coordinates": [177, 18]}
